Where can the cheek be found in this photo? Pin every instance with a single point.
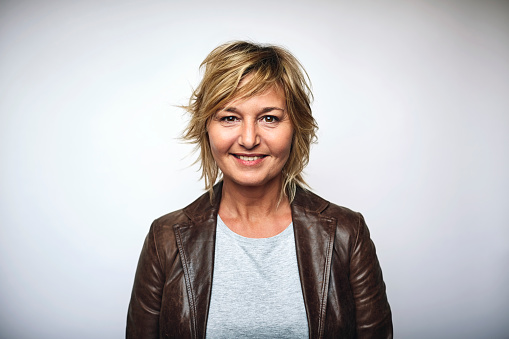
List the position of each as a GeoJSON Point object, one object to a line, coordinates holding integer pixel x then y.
{"type": "Point", "coordinates": [285, 144]}
{"type": "Point", "coordinates": [214, 147]}
{"type": "Point", "coordinates": [219, 142]}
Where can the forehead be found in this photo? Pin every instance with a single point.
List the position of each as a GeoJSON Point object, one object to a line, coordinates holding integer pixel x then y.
{"type": "Point", "coordinates": [273, 96]}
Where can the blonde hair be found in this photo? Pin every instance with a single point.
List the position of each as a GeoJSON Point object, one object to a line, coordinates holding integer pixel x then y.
{"type": "Point", "coordinates": [267, 66]}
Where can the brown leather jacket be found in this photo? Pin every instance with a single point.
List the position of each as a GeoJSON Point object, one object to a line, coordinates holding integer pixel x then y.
{"type": "Point", "coordinates": [341, 279]}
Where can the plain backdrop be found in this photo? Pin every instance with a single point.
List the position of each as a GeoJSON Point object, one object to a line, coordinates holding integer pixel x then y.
{"type": "Point", "coordinates": [412, 100]}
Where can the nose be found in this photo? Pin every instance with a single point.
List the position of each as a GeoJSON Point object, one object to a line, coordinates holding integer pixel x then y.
{"type": "Point", "coordinates": [249, 137]}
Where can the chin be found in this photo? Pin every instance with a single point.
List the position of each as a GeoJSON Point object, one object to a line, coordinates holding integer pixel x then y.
{"type": "Point", "coordinates": [253, 182]}
{"type": "Point", "coordinates": [249, 183]}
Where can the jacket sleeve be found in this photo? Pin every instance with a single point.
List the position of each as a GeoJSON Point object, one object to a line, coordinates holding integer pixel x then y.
{"type": "Point", "coordinates": [145, 304]}
{"type": "Point", "coordinates": [373, 313]}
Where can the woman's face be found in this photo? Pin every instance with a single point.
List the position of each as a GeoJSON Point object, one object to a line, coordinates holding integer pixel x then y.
{"type": "Point", "coordinates": [251, 139]}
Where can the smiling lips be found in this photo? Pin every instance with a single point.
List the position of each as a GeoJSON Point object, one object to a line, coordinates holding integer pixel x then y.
{"type": "Point", "coordinates": [249, 157]}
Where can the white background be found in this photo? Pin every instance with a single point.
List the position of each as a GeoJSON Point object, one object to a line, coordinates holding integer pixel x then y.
{"type": "Point", "coordinates": [412, 99]}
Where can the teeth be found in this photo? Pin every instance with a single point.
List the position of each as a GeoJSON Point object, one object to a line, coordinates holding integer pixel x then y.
{"type": "Point", "coordinates": [242, 157]}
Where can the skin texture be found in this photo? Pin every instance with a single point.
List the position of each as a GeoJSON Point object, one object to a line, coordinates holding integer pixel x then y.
{"type": "Point", "coordinates": [257, 128]}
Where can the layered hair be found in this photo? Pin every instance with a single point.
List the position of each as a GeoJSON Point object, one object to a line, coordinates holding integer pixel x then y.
{"type": "Point", "coordinates": [267, 66]}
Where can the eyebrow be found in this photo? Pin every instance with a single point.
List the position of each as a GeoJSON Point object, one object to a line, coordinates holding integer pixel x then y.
{"type": "Point", "coordinates": [264, 110]}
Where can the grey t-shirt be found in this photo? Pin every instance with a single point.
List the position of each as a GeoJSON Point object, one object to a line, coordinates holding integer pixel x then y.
{"type": "Point", "coordinates": [256, 290]}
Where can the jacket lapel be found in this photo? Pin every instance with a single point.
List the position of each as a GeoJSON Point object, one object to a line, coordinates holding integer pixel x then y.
{"type": "Point", "coordinates": [314, 239]}
{"type": "Point", "coordinates": [196, 241]}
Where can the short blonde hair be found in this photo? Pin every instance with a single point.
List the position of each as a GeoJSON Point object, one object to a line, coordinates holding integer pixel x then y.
{"type": "Point", "coordinates": [268, 66]}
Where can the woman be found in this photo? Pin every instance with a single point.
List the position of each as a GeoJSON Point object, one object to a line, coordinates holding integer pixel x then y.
{"type": "Point", "coordinates": [258, 255]}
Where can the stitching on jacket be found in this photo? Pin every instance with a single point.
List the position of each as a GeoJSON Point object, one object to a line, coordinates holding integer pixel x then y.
{"type": "Point", "coordinates": [194, 325]}
{"type": "Point", "coordinates": [325, 279]}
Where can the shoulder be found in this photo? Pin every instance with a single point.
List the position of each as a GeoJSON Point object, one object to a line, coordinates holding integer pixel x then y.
{"type": "Point", "coordinates": [345, 217]}
{"type": "Point", "coordinates": [311, 203]}
{"type": "Point", "coordinates": [349, 226]}
{"type": "Point", "coordinates": [170, 219]}
{"type": "Point", "coordinates": [197, 211]}
{"type": "Point", "coordinates": [161, 236]}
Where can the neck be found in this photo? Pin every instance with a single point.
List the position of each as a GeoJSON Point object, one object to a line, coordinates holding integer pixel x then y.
{"type": "Point", "coordinates": [254, 211]}
{"type": "Point", "coordinates": [252, 198]}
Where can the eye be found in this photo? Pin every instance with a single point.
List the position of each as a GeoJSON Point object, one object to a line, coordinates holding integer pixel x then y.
{"type": "Point", "coordinates": [229, 118]}
{"type": "Point", "coordinates": [270, 119]}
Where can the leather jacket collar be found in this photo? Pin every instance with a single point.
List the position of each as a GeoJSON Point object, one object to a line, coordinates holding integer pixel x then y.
{"type": "Point", "coordinates": [342, 284]}
{"type": "Point", "coordinates": [314, 265]}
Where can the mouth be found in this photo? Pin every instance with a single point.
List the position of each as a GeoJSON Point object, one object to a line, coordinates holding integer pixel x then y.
{"type": "Point", "coordinates": [249, 157]}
